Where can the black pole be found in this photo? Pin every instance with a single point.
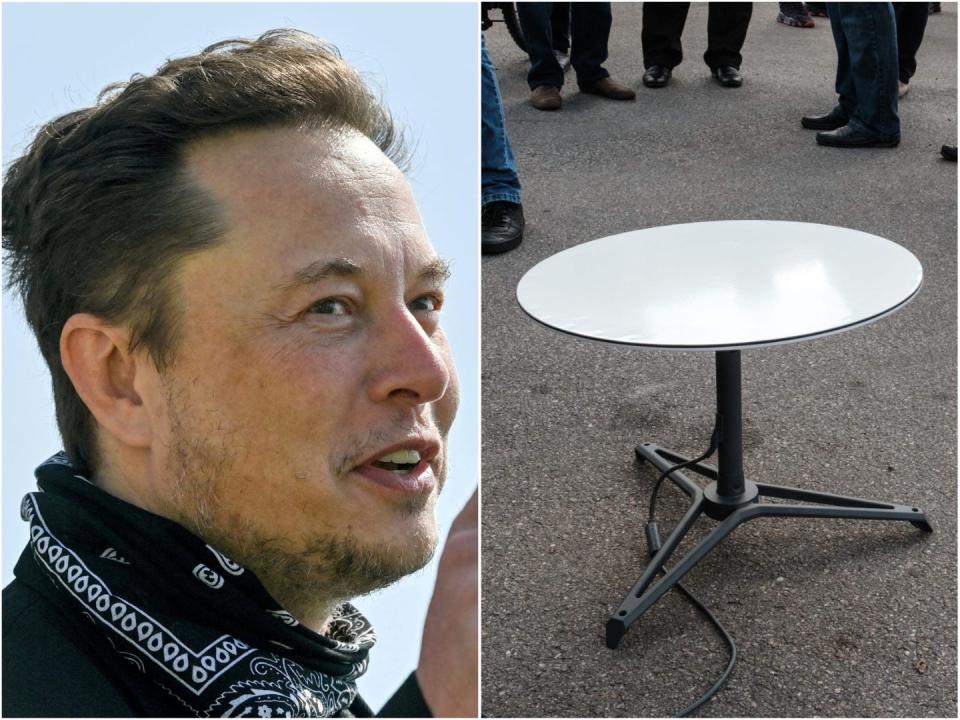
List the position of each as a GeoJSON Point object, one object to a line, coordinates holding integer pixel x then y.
{"type": "Point", "coordinates": [730, 448]}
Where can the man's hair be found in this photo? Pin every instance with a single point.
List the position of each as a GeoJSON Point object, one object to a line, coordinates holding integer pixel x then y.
{"type": "Point", "coordinates": [100, 210]}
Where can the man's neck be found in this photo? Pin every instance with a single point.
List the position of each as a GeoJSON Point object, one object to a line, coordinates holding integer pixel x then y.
{"type": "Point", "coordinates": [312, 616]}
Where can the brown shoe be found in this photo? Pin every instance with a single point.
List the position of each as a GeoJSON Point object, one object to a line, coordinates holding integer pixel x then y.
{"type": "Point", "coordinates": [609, 88]}
{"type": "Point", "coordinates": [546, 97]}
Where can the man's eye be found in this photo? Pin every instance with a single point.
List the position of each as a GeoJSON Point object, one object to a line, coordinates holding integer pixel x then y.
{"type": "Point", "coordinates": [330, 306]}
{"type": "Point", "coordinates": [426, 303]}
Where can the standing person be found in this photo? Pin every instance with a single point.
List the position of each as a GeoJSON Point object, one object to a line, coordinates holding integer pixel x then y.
{"type": "Point", "coordinates": [501, 220]}
{"type": "Point", "coordinates": [865, 115]}
{"type": "Point", "coordinates": [589, 31]}
{"type": "Point", "coordinates": [662, 50]}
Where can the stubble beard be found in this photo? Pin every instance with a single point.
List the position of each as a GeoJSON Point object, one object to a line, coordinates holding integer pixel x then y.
{"type": "Point", "coordinates": [321, 570]}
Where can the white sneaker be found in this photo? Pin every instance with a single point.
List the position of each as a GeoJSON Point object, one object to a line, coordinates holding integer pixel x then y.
{"type": "Point", "coordinates": [562, 58]}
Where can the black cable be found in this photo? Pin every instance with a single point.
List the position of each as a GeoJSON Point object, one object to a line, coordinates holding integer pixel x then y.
{"type": "Point", "coordinates": [714, 442]}
{"type": "Point", "coordinates": [721, 681]}
{"type": "Point", "coordinates": [654, 545]}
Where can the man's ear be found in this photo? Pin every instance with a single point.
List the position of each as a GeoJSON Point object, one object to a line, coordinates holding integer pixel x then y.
{"type": "Point", "coordinates": [96, 358]}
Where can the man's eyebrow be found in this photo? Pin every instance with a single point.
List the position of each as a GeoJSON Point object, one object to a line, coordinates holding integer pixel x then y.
{"type": "Point", "coordinates": [320, 269]}
{"type": "Point", "coordinates": [437, 271]}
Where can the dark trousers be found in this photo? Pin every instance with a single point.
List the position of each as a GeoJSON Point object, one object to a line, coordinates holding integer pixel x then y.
{"type": "Point", "coordinates": [866, 38]}
{"type": "Point", "coordinates": [911, 22]}
{"type": "Point", "coordinates": [589, 32]}
{"type": "Point", "coordinates": [663, 24]}
{"type": "Point", "coordinates": [560, 26]}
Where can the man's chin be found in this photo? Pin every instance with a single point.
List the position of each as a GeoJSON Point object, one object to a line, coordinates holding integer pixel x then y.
{"type": "Point", "coordinates": [379, 568]}
{"type": "Point", "coordinates": [340, 567]}
{"type": "Point", "coordinates": [377, 559]}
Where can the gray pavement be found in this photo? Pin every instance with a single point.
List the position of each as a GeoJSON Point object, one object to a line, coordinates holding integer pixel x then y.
{"type": "Point", "coordinates": [831, 618]}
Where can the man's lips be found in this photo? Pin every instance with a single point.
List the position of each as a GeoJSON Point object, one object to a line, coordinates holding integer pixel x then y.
{"type": "Point", "coordinates": [405, 467]}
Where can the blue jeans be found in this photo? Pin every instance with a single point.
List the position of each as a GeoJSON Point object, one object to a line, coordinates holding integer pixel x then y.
{"type": "Point", "coordinates": [866, 37]}
{"type": "Point", "coordinates": [498, 169]}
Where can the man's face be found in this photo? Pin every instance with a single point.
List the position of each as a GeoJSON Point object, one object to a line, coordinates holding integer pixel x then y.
{"type": "Point", "coordinates": [307, 408]}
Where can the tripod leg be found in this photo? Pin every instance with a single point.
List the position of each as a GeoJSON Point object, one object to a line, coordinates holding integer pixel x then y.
{"type": "Point", "coordinates": [638, 602]}
{"type": "Point", "coordinates": [661, 458]}
{"type": "Point", "coordinates": [838, 506]}
{"type": "Point", "coordinates": [615, 625]}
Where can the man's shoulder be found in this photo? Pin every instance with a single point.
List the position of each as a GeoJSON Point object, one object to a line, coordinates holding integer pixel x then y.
{"type": "Point", "coordinates": [47, 669]}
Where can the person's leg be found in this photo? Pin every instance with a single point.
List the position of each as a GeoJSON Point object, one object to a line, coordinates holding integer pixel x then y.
{"type": "Point", "coordinates": [535, 22]}
{"type": "Point", "coordinates": [660, 34]}
{"type": "Point", "coordinates": [845, 87]}
{"type": "Point", "coordinates": [501, 219]}
{"type": "Point", "coordinates": [911, 23]}
{"type": "Point", "coordinates": [590, 30]}
{"type": "Point", "coordinates": [560, 26]}
{"type": "Point", "coordinates": [726, 31]}
{"type": "Point", "coordinates": [498, 171]}
{"type": "Point", "coordinates": [869, 30]}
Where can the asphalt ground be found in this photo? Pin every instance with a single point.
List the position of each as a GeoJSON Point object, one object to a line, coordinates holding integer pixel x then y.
{"type": "Point", "coordinates": [831, 617]}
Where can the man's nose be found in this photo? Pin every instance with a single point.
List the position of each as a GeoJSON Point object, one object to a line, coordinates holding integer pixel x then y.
{"type": "Point", "coordinates": [412, 366]}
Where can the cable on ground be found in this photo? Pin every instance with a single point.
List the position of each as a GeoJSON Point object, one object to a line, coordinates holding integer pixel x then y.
{"type": "Point", "coordinates": [653, 541]}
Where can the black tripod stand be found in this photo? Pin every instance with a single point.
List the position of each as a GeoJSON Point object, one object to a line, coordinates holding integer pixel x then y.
{"type": "Point", "coordinates": [732, 500]}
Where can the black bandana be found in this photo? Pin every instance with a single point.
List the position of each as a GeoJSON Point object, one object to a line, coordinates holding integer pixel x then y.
{"type": "Point", "coordinates": [181, 616]}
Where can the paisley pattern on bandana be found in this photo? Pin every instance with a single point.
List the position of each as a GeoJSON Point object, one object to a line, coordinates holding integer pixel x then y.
{"type": "Point", "coordinates": [100, 552]}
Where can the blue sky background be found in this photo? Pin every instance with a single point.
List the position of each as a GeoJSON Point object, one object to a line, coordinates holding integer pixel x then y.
{"type": "Point", "coordinates": [423, 57]}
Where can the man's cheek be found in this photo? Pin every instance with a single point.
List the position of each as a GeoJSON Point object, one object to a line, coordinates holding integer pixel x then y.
{"type": "Point", "coordinates": [447, 405]}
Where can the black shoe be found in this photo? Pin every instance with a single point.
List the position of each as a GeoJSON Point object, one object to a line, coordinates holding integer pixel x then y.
{"type": "Point", "coordinates": [949, 152]}
{"type": "Point", "coordinates": [847, 137]}
{"type": "Point", "coordinates": [830, 121]}
{"type": "Point", "coordinates": [657, 76]}
{"type": "Point", "coordinates": [795, 15]}
{"type": "Point", "coordinates": [501, 227]}
{"type": "Point", "coordinates": [728, 76]}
